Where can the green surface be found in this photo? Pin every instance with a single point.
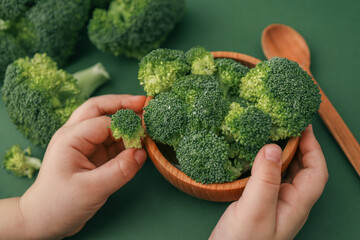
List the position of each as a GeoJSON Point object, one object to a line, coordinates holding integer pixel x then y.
{"type": "Point", "coordinates": [149, 207]}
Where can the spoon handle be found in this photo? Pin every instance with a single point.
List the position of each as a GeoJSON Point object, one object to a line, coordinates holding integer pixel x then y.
{"type": "Point", "coordinates": [339, 130]}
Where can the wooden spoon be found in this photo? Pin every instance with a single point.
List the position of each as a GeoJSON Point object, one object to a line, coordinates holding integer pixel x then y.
{"type": "Point", "coordinates": [283, 41]}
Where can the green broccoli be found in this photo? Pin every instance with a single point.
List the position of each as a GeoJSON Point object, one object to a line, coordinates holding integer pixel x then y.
{"type": "Point", "coordinates": [133, 28]}
{"type": "Point", "coordinates": [191, 87]}
{"type": "Point", "coordinates": [47, 26]}
{"type": "Point", "coordinates": [208, 111]}
{"type": "Point", "coordinates": [201, 61]}
{"type": "Point", "coordinates": [250, 126]}
{"type": "Point", "coordinates": [20, 162]}
{"type": "Point", "coordinates": [282, 89]}
{"type": "Point", "coordinates": [229, 72]}
{"type": "Point", "coordinates": [39, 97]}
{"type": "Point", "coordinates": [204, 157]}
{"type": "Point", "coordinates": [126, 124]}
{"type": "Point", "coordinates": [165, 118]}
{"type": "Point", "coordinates": [160, 68]}
{"type": "Point", "coordinates": [243, 156]}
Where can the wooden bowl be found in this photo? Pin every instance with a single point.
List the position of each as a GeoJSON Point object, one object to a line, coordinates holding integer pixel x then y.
{"type": "Point", "coordinates": [219, 192]}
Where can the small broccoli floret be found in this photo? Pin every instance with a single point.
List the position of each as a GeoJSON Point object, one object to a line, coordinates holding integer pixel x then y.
{"type": "Point", "coordinates": [9, 50]}
{"type": "Point", "coordinates": [160, 68]}
{"type": "Point", "coordinates": [126, 124]}
{"type": "Point", "coordinates": [190, 87]}
{"type": "Point", "coordinates": [229, 72]}
{"type": "Point", "coordinates": [39, 97]}
{"type": "Point", "coordinates": [201, 61]}
{"type": "Point", "coordinates": [244, 154]}
{"type": "Point", "coordinates": [20, 162]}
{"type": "Point", "coordinates": [203, 156]}
{"type": "Point", "coordinates": [11, 9]}
{"type": "Point", "coordinates": [166, 119]}
{"type": "Point", "coordinates": [250, 126]}
{"type": "Point", "coordinates": [208, 111]}
{"type": "Point", "coordinates": [280, 88]}
{"type": "Point", "coordinates": [134, 28]}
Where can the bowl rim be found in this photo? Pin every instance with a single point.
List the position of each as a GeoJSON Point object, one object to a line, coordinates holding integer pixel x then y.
{"type": "Point", "coordinates": [160, 161]}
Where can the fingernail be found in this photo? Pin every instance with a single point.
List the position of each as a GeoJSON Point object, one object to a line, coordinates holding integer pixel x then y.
{"type": "Point", "coordinates": [140, 156]}
{"type": "Point", "coordinates": [273, 153]}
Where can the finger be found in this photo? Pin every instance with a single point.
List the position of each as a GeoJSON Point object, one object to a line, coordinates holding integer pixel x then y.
{"type": "Point", "coordinates": [105, 105]}
{"type": "Point", "coordinates": [261, 192]}
{"type": "Point", "coordinates": [311, 180]}
{"type": "Point", "coordinates": [294, 167]}
{"type": "Point", "coordinates": [86, 135]}
{"type": "Point", "coordinates": [112, 175]}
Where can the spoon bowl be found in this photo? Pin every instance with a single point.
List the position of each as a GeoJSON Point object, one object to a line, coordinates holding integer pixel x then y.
{"type": "Point", "coordinates": [219, 192]}
{"type": "Point", "coordinates": [279, 40]}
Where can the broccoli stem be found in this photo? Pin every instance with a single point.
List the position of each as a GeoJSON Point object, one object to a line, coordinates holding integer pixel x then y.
{"type": "Point", "coordinates": [91, 78]}
{"type": "Point", "coordinates": [33, 162]}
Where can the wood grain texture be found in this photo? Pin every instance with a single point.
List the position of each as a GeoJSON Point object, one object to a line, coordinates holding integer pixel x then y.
{"type": "Point", "coordinates": [220, 192]}
{"type": "Point", "coordinates": [283, 41]}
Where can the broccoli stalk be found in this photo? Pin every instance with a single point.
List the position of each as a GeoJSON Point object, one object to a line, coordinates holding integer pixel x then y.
{"type": "Point", "coordinates": [91, 79]}
{"type": "Point", "coordinates": [20, 162]}
{"type": "Point", "coordinates": [126, 124]}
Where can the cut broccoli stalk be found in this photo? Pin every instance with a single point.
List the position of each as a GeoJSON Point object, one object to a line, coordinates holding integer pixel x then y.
{"type": "Point", "coordinates": [91, 79]}
{"type": "Point", "coordinates": [20, 162]}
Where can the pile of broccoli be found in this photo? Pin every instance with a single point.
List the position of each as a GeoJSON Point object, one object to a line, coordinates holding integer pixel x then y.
{"type": "Point", "coordinates": [133, 28]}
{"type": "Point", "coordinates": [33, 26]}
{"type": "Point", "coordinates": [40, 97]}
{"type": "Point", "coordinates": [217, 113]}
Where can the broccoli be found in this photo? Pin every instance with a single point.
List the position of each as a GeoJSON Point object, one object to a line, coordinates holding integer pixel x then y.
{"type": "Point", "coordinates": [243, 156]}
{"type": "Point", "coordinates": [20, 162]}
{"type": "Point", "coordinates": [160, 68]}
{"type": "Point", "coordinates": [250, 126]}
{"type": "Point", "coordinates": [208, 111]}
{"type": "Point", "coordinates": [282, 89]}
{"type": "Point", "coordinates": [191, 87]}
{"type": "Point", "coordinates": [126, 124]}
{"type": "Point", "coordinates": [165, 118]}
{"type": "Point", "coordinates": [204, 157]}
{"type": "Point", "coordinates": [229, 72]}
{"type": "Point", "coordinates": [39, 97]}
{"type": "Point", "coordinates": [133, 28]}
{"type": "Point", "coordinates": [47, 26]}
{"type": "Point", "coordinates": [201, 61]}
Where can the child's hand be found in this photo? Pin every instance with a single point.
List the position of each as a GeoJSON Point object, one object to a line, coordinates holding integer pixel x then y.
{"type": "Point", "coordinates": [269, 209]}
{"type": "Point", "coordinates": [82, 166]}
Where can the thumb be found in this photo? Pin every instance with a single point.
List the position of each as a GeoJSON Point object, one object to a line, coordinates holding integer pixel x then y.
{"type": "Point", "coordinates": [115, 173]}
{"type": "Point", "coordinates": [261, 192]}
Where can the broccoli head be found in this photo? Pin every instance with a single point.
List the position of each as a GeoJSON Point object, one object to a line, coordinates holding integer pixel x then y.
{"type": "Point", "coordinates": [133, 28]}
{"type": "Point", "coordinates": [47, 26]}
{"type": "Point", "coordinates": [126, 124]}
{"type": "Point", "coordinates": [165, 118]}
{"type": "Point", "coordinates": [204, 157]}
{"type": "Point", "coordinates": [229, 72]}
{"type": "Point", "coordinates": [20, 162]}
{"type": "Point", "coordinates": [201, 61]}
{"type": "Point", "coordinates": [282, 89]}
{"type": "Point", "coordinates": [250, 126]}
{"type": "Point", "coordinates": [39, 97]}
{"type": "Point", "coordinates": [242, 155]}
{"type": "Point", "coordinates": [160, 68]}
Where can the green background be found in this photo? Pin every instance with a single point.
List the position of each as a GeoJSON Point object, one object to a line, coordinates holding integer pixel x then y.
{"type": "Point", "coordinates": [149, 207]}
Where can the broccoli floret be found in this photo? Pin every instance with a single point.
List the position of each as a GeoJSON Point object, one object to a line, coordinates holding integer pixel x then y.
{"type": "Point", "coordinates": [201, 61]}
{"type": "Point", "coordinates": [20, 162]}
{"type": "Point", "coordinates": [282, 89]}
{"type": "Point", "coordinates": [165, 119]}
{"type": "Point", "coordinates": [229, 72]}
{"type": "Point", "coordinates": [243, 156]}
{"type": "Point", "coordinates": [134, 28]}
{"type": "Point", "coordinates": [33, 26]}
{"type": "Point", "coordinates": [250, 126]}
{"type": "Point", "coordinates": [208, 111]}
{"type": "Point", "coordinates": [203, 156]}
{"type": "Point", "coordinates": [39, 97]}
{"type": "Point", "coordinates": [160, 68]}
{"type": "Point", "coordinates": [190, 87]}
{"type": "Point", "coordinates": [126, 124]}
